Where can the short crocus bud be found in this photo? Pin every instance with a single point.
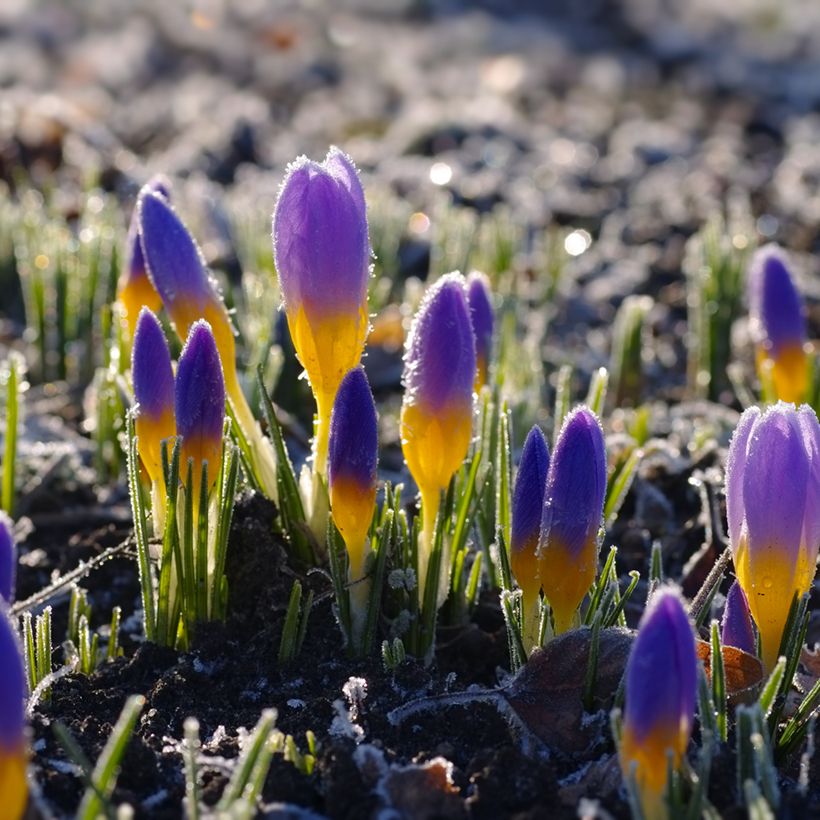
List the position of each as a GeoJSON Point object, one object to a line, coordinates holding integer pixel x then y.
{"type": "Point", "coordinates": [661, 683]}
{"type": "Point", "coordinates": [135, 289]}
{"type": "Point", "coordinates": [527, 507]}
{"type": "Point", "coordinates": [153, 379]}
{"type": "Point", "coordinates": [351, 473]}
{"type": "Point", "coordinates": [322, 255]}
{"type": "Point", "coordinates": [479, 297]}
{"type": "Point", "coordinates": [13, 754]}
{"type": "Point", "coordinates": [778, 324]}
{"type": "Point", "coordinates": [437, 412]}
{"type": "Point", "coordinates": [178, 272]}
{"type": "Point", "coordinates": [200, 404]}
{"type": "Point", "coordinates": [8, 560]}
{"type": "Point", "coordinates": [573, 510]}
{"type": "Point", "coordinates": [773, 509]}
{"type": "Point", "coordinates": [736, 628]}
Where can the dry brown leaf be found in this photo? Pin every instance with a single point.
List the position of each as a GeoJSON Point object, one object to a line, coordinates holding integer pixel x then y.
{"type": "Point", "coordinates": [743, 672]}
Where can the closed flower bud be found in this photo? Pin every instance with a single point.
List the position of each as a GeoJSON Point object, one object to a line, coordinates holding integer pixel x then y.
{"type": "Point", "coordinates": [527, 508]}
{"type": "Point", "coordinates": [736, 627]}
{"type": "Point", "coordinates": [573, 511]}
{"type": "Point", "coordinates": [661, 683]}
{"type": "Point", "coordinates": [351, 467]}
{"type": "Point", "coordinates": [134, 289]}
{"type": "Point", "coordinates": [773, 510]}
{"type": "Point", "coordinates": [13, 754]}
{"type": "Point", "coordinates": [479, 297]}
{"type": "Point", "coordinates": [437, 412]}
{"type": "Point", "coordinates": [778, 324]}
{"type": "Point", "coordinates": [153, 380]}
{"type": "Point", "coordinates": [322, 255]}
{"type": "Point", "coordinates": [200, 404]}
{"type": "Point", "coordinates": [8, 560]}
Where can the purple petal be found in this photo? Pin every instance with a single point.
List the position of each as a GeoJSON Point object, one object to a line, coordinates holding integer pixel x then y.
{"type": "Point", "coordinates": [661, 674]}
{"type": "Point", "coordinates": [576, 482]}
{"type": "Point", "coordinates": [151, 366]}
{"type": "Point", "coordinates": [481, 313]}
{"type": "Point", "coordinates": [354, 444]}
{"type": "Point", "coordinates": [737, 628]}
{"type": "Point", "coordinates": [12, 687]}
{"type": "Point", "coordinates": [528, 494]}
{"type": "Point", "coordinates": [8, 560]}
{"type": "Point", "coordinates": [735, 467]}
{"type": "Point", "coordinates": [440, 363]}
{"type": "Point", "coordinates": [810, 428]}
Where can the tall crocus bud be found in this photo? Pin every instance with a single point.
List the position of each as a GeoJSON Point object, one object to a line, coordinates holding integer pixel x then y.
{"type": "Point", "coordinates": [773, 509]}
{"type": "Point", "coordinates": [661, 682]}
{"type": "Point", "coordinates": [437, 412]}
{"type": "Point", "coordinates": [178, 272]}
{"type": "Point", "coordinates": [200, 404]}
{"type": "Point", "coordinates": [134, 289]}
{"type": "Point", "coordinates": [736, 628]}
{"type": "Point", "coordinates": [527, 507]}
{"type": "Point", "coordinates": [8, 560]}
{"type": "Point", "coordinates": [13, 754]}
{"type": "Point", "coordinates": [778, 324]}
{"type": "Point", "coordinates": [322, 255]}
{"type": "Point", "coordinates": [573, 509]}
{"type": "Point", "coordinates": [351, 473]}
{"type": "Point", "coordinates": [479, 297]}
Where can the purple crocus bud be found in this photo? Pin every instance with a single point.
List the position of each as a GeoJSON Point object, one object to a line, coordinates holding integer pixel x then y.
{"type": "Point", "coordinates": [736, 627]}
{"type": "Point", "coordinates": [772, 500]}
{"type": "Point", "coordinates": [661, 684]}
{"type": "Point", "coordinates": [8, 559]}
{"type": "Point", "coordinates": [479, 297]}
{"type": "Point", "coordinates": [778, 323]}
{"type": "Point", "coordinates": [437, 412]}
{"type": "Point", "coordinates": [13, 757]}
{"type": "Point", "coordinates": [527, 508]}
{"type": "Point", "coordinates": [200, 403]}
{"type": "Point", "coordinates": [134, 289]}
{"type": "Point", "coordinates": [573, 512]}
{"type": "Point", "coordinates": [153, 379]}
{"type": "Point", "coordinates": [322, 254]}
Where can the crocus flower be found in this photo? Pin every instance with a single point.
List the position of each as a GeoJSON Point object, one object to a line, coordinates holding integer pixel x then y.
{"type": "Point", "coordinates": [773, 509]}
{"type": "Point", "coordinates": [661, 683]}
{"type": "Point", "coordinates": [736, 627]}
{"type": "Point", "coordinates": [481, 313]}
{"type": "Point", "coordinates": [573, 509]}
{"type": "Point", "coordinates": [153, 379]}
{"type": "Point", "coordinates": [179, 275]}
{"type": "Point", "coordinates": [527, 507]}
{"type": "Point", "coordinates": [134, 289]}
{"type": "Point", "coordinates": [200, 404]}
{"type": "Point", "coordinates": [322, 255]}
{"type": "Point", "coordinates": [778, 324]}
{"type": "Point", "coordinates": [437, 412]}
{"type": "Point", "coordinates": [351, 472]}
{"type": "Point", "coordinates": [8, 560]}
{"type": "Point", "coordinates": [13, 754]}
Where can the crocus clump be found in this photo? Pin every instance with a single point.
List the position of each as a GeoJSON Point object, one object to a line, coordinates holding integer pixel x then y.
{"type": "Point", "coordinates": [736, 627]}
{"type": "Point", "coordinates": [661, 684]}
{"type": "Point", "coordinates": [13, 753]}
{"type": "Point", "coordinates": [351, 471]}
{"type": "Point", "coordinates": [178, 272]}
{"type": "Point", "coordinates": [773, 510]}
{"type": "Point", "coordinates": [322, 254]}
{"type": "Point", "coordinates": [572, 517]}
{"type": "Point", "coordinates": [527, 509]}
{"type": "Point", "coordinates": [200, 406]}
{"type": "Point", "coordinates": [8, 560]}
{"type": "Point", "coordinates": [479, 297]}
{"type": "Point", "coordinates": [135, 289]}
{"type": "Point", "coordinates": [437, 411]}
{"type": "Point", "coordinates": [778, 325]}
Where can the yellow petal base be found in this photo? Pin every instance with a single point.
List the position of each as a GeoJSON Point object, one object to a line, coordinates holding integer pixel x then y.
{"type": "Point", "coordinates": [566, 578]}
